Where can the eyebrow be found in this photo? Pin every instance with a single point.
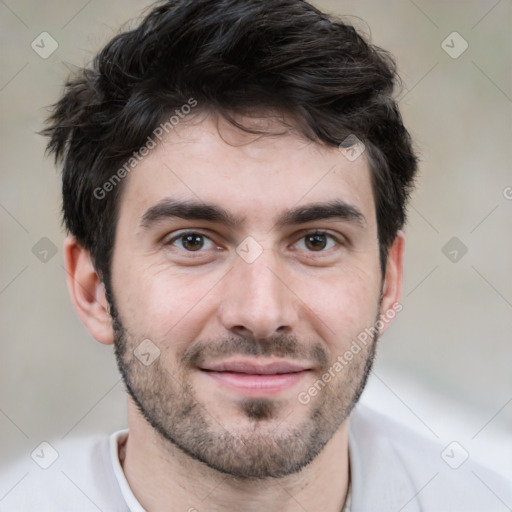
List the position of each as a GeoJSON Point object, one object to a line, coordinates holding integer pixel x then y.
{"type": "Point", "coordinates": [337, 210]}
{"type": "Point", "coordinates": [169, 208]}
{"type": "Point", "coordinates": [189, 210]}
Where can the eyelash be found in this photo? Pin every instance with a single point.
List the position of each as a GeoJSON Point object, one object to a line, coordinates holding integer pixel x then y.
{"type": "Point", "coordinates": [184, 234]}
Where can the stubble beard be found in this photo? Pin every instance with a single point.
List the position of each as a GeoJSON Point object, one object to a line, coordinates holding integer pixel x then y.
{"type": "Point", "coordinates": [266, 447]}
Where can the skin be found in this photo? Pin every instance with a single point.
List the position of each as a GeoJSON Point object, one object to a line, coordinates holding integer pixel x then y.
{"type": "Point", "coordinates": [292, 298]}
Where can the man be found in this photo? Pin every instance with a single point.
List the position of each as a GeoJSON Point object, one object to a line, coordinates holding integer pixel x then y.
{"type": "Point", "coordinates": [234, 184]}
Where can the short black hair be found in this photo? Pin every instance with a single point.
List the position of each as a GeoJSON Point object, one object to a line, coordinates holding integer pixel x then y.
{"type": "Point", "coordinates": [230, 57]}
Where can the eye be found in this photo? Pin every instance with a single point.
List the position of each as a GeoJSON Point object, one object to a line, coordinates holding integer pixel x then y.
{"type": "Point", "coordinates": [318, 241]}
{"type": "Point", "coordinates": [191, 241]}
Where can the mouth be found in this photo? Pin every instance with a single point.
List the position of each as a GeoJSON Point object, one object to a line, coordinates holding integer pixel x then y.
{"type": "Point", "coordinates": [256, 378]}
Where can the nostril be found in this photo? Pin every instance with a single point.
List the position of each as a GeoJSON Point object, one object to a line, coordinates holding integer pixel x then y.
{"type": "Point", "coordinates": [242, 331]}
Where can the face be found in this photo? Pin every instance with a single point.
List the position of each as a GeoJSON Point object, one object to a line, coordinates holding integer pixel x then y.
{"type": "Point", "coordinates": [243, 268]}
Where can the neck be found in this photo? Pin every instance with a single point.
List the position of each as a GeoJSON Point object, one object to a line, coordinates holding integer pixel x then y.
{"type": "Point", "coordinates": [163, 478]}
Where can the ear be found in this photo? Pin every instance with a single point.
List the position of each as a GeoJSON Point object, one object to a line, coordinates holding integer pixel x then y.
{"type": "Point", "coordinates": [87, 292]}
{"type": "Point", "coordinates": [392, 285]}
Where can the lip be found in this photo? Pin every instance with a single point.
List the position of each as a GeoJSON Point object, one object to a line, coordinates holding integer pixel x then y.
{"type": "Point", "coordinates": [254, 368]}
{"type": "Point", "coordinates": [250, 378]}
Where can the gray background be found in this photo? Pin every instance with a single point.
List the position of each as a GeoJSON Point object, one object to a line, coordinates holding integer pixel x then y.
{"type": "Point", "coordinates": [444, 367]}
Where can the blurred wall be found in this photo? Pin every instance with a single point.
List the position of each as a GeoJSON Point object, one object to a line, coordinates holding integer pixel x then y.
{"type": "Point", "coordinates": [445, 364]}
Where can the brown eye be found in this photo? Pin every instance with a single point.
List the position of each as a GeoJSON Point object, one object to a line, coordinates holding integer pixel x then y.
{"type": "Point", "coordinates": [192, 242]}
{"type": "Point", "coordinates": [316, 242]}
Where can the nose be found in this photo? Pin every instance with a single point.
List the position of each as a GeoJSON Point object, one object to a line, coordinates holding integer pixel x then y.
{"type": "Point", "coordinates": [256, 299]}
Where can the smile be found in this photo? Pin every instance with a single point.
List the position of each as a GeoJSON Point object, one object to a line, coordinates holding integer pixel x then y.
{"type": "Point", "coordinates": [256, 379]}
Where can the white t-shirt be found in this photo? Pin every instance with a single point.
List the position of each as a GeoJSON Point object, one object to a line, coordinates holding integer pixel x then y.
{"type": "Point", "coordinates": [392, 469]}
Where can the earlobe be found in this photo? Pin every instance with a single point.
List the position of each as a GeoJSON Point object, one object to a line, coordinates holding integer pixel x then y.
{"type": "Point", "coordinates": [392, 285]}
{"type": "Point", "coordinates": [87, 292]}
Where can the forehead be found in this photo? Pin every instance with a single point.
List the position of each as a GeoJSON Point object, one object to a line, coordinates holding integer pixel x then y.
{"type": "Point", "coordinates": [254, 177]}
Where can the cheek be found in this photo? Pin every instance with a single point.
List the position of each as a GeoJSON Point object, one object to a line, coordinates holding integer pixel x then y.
{"type": "Point", "coordinates": [341, 305]}
{"type": "Point", "coordinates": [162, 303]}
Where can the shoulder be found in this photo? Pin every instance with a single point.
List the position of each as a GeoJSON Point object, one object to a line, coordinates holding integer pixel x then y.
{"type": "Point", "coordinates": [66, 475]}
{"type": "Point", "coordinates": [414, 472]}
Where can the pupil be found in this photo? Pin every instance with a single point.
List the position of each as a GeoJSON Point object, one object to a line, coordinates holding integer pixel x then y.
{"type": "Point", "coordinates": [193, 242]}
{"type": "Point", "coordinates": [316, 241]}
